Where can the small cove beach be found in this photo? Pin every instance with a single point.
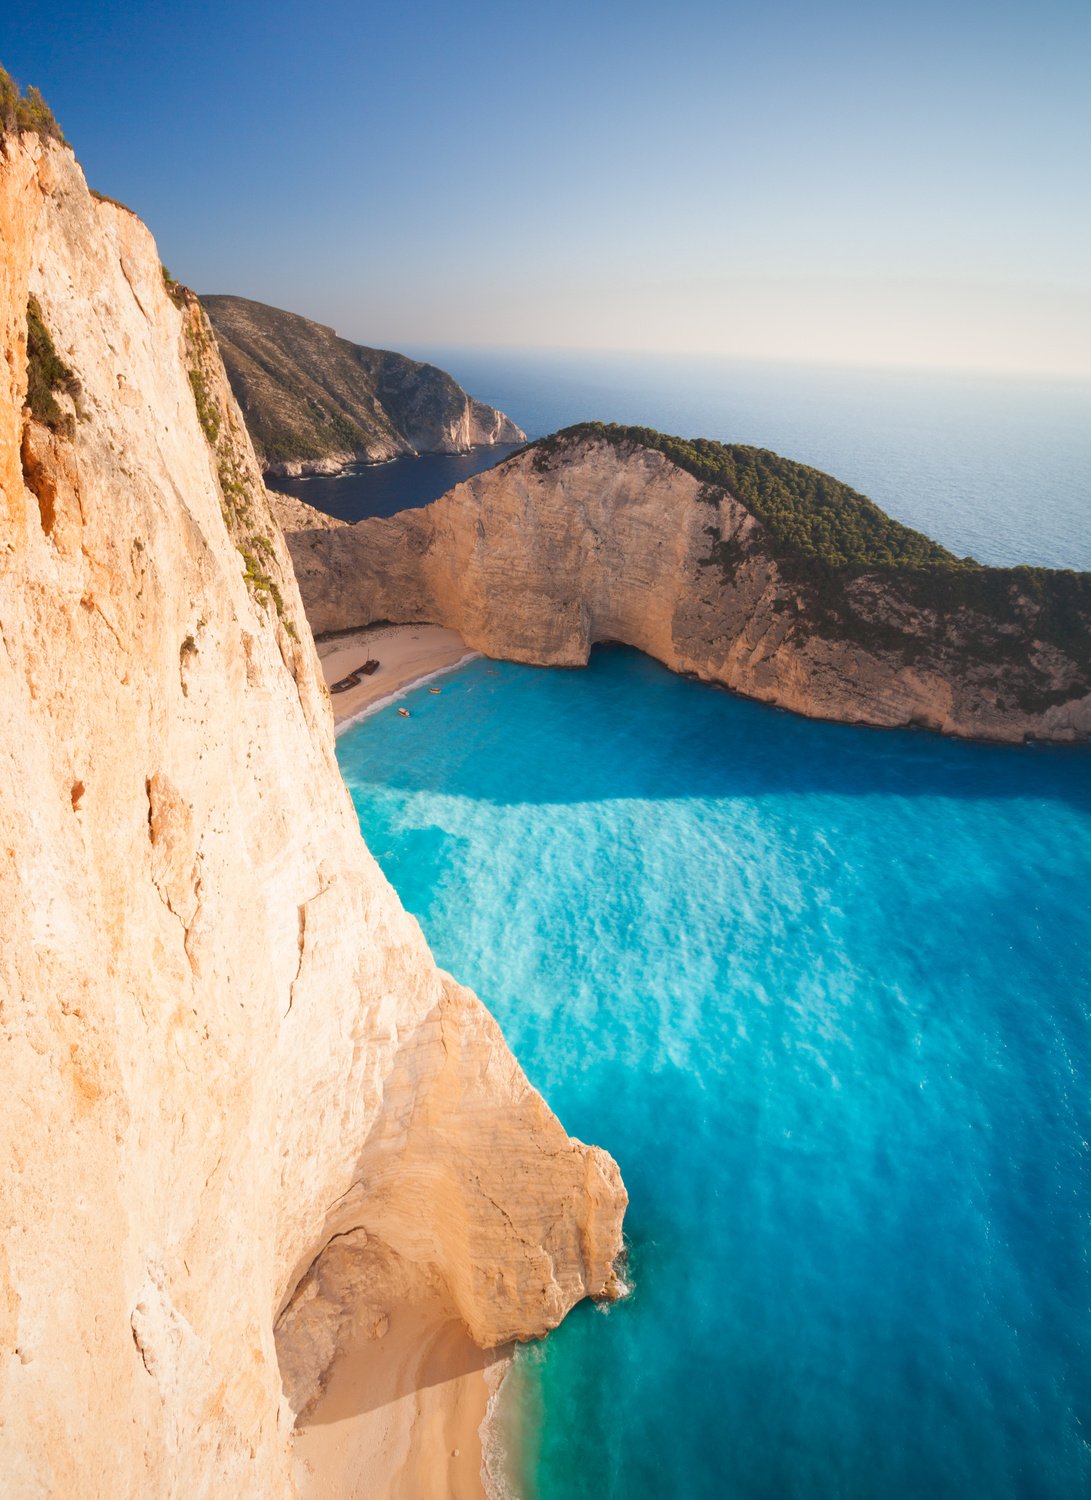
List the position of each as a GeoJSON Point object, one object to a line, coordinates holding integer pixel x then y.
{"type": "Point", "coordinates": [401, 1412]}
{"type": "Point", "coordinates": [407, 654]}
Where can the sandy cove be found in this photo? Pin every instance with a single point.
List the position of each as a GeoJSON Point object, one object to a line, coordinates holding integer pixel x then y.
{"type": "Point", "coordinates": [401, 1413]}
{"type": "Point", "coordinates": [406, 655]}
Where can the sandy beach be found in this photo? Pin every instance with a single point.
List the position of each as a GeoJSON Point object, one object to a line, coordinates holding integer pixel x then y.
{"type": "Point", "coordinates": [401, 1414]}
{"type": "Point", "coordinates": [405, 653]}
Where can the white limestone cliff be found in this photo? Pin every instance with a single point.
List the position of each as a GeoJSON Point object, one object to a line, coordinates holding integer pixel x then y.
{"type": "Point", "coordinates": [539, 558]}
{"type": "Point", "coordinates": [223, 1043]}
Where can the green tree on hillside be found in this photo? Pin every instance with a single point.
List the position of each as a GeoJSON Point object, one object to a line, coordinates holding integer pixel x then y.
{"type": "Point", "coordinates": [26, 111]}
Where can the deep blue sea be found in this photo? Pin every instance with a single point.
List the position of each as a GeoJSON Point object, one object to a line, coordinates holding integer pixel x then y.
{"type": "Point", "coordinates": [384, 489]}
{"type": "Point", "coordinates": [995, 468]}
{"type": "Point", "coordinates": [825, 993]}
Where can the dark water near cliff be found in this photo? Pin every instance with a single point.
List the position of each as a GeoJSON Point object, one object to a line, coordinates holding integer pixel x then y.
{"type": "Point", "coordinates": [825, 993]}
{"type": "Point", "coordinates": [999, 469]}
{"type": "Point", "coordinates": [384, 489]}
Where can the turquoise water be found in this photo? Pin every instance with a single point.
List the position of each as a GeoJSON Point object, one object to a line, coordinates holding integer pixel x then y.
{"type": "Point", "coordinates": [824, 993]}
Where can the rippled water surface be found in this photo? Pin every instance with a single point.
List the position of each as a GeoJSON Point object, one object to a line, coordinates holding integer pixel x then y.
{"type": "Point", "coordinates": [824, 993]}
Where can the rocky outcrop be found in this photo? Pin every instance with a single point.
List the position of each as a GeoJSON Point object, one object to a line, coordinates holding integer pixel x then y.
{"type": "Point", "coordinates": [223, 1043]}
{"type": "Point", "coordinates": [296, 515]}
{"type": "Point", "coordinates": [314, 402]}
{"type": "Point", "coordinates": [598, 535]}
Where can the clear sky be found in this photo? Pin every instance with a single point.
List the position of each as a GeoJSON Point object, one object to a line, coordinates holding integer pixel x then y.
{"type": "Point", "coordinates": [861, 182]}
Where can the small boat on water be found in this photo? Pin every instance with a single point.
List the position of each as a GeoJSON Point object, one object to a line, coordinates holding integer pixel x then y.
{"type": "Point", "coordinates": [404, 712]}
{"type": "Point", "coordinates": [435, 690]}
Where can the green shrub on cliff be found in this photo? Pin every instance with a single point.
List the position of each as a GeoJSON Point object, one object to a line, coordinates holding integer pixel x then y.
{"type": "Point", "coordinates": [47, 372]}
{"type": "Point", "coordinates": [26, 111]}
{"type": "Point", "coordinates": [117, 203]}
{"type": "Point", "coordinates": [171, 285]}
{"type": "Point", "coordinates": [825, 536]}
{"type": "Point", "coordinates": [808, 513]}
{"type": "Point", "coordinates": [208, 413]}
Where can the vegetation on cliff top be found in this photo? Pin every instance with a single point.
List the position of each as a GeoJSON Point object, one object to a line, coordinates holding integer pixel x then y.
{"type": "Point", "coordinates": [26, 110]}
{"type": "Point", "coordinates": [808, 513]}
{"type": "Point", "coordinates": [826, 537]}
{"type": "Point", "coordinates": [242, 510]}
{"type": "Point", "coordinates": [116, 202]}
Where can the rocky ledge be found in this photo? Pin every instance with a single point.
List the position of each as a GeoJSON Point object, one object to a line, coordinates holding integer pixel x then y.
{"type": "Point", "coordinates": [728, 563]}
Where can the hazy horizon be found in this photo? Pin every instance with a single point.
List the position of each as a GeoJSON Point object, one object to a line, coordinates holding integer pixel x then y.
{"type": "Point", "coordinates": [861, 185]}
{"type": "Point", "coordinates": [431, 351]}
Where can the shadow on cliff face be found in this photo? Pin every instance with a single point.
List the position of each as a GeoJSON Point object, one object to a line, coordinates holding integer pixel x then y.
{"type": "Point", "coordinates": [626, 727]}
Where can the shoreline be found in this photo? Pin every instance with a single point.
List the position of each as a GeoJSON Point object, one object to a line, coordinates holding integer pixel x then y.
{"type": "Point", "coordinates": [413, 1412]}
{"type": "Point", "coordinates": [408, 656]}
{"type": "Point", "coordinates": [406, 1409]}
{"type": "Point", "coordinates": [396, 694]}
{"type": "Point", "coordinates": [340, 467]}
{"type": "Point", "coordinates": [496, 1455]}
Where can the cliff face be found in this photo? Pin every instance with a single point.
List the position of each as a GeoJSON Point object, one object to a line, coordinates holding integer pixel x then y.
{"type": "Point", "coordinates": [595, 538]}
{"type": "Point", "coordinates": [222, 1041]}
{"type": "Point", "coordinates": [314, 402]}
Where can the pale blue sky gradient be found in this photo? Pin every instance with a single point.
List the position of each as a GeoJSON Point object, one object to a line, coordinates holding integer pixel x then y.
{"type": "Point", "coordinates": [851, 182]}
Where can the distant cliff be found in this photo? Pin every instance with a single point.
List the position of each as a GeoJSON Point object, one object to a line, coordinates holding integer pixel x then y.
{"type": "Point", "coordinates": [726, 562]}
{"type": "Point", "coordinates": [314, 402]}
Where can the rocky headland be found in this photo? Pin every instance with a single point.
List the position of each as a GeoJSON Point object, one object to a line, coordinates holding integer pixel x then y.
{"type": "Point", "coordinates": [247, 1122]}
{"type": "Point", "coordinates": [725, 562]}
{"type": "Point", "coordinates": [314, 402]}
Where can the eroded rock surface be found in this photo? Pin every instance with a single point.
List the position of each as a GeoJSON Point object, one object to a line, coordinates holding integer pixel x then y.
{"type": "Point", "coordinates": [586, 539]}
{"type": "Point", "coordinates": [223, 1043]}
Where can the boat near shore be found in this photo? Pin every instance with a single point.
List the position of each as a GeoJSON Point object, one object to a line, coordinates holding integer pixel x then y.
{"type": "Point", "coordinates": [353, 679]}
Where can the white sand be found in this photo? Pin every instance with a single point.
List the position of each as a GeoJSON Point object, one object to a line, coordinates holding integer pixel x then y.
{"type": "Point", "coordinates": [405, 653]}
{"type": "Point", "coordinates": [400, 1416]}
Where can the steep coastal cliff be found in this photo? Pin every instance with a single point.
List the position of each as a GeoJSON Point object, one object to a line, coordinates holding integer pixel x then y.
{"type": "Point", "coordinates": [728, 563]}
{"type": "Point", "coordinates": [242, 1107]}
{"type": "Point", "coordinates": [314, 402]}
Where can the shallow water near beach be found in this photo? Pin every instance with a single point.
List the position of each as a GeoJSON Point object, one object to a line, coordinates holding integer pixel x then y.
{"type": "Point", "coordinates": [824, 993]}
